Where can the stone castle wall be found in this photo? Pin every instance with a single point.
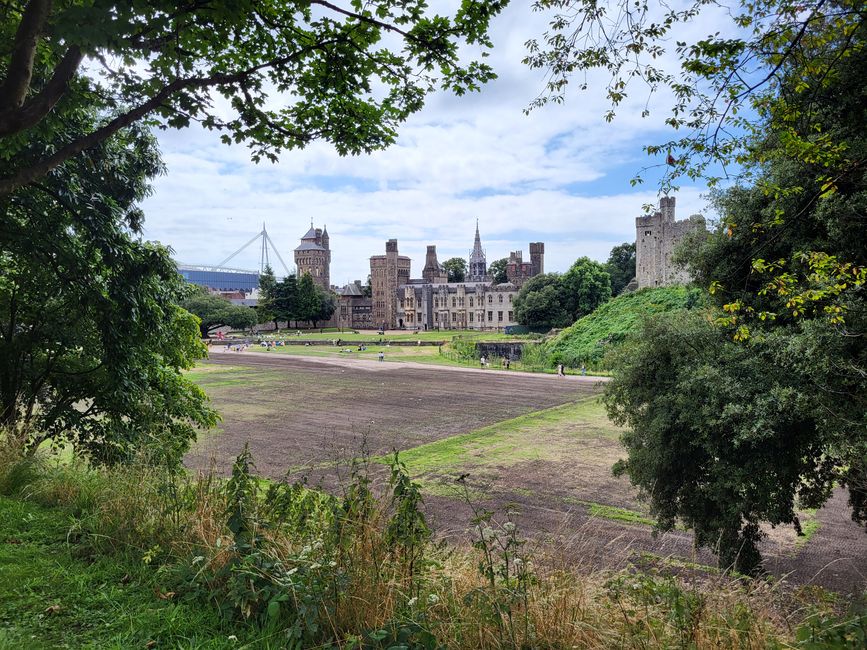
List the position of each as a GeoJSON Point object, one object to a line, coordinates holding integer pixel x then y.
{"type": "Point", "coordinates": [656, 237]}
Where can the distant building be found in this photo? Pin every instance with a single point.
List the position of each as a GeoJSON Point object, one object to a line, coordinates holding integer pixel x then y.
{"type": "Point", "coordinates": [313, 256]}
{"type": "Point", "coordinates": [353, 307]}
{"type": "Point", "coordinates": [219, 278]}
{"type": "Point", "coordinates": [432, 302]}
{"type": "Point", "coordinates": [656, 237]}
{"type": "Point", "coordinates": [387, 273]}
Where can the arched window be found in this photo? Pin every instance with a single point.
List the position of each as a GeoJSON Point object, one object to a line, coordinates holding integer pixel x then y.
{"type": "Point", "coordinates": [501, 298]}
{"type": "Point", "coordinates": [490, 299]}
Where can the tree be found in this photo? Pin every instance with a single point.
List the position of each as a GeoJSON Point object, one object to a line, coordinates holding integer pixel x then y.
{"type": "Point", "coordinates": [367, 289]}
{"type": "Point", "coordinates": [308, 301]}
{"type": "Point", "coordinates": [267, 296]}
{"type": "Point", "coordinates": [163, 62]}
{"type": "Point", "coordinates": [541, 302]}
{"type": "Point", "coordinates": [621, 266]}
{"type": "Point", "coordinates": [720, 79]}
{"type": "Point", "coordinates": [586, 285]}
{"type": "Point", "coordinates": [785, 345]}
{"type": "Point", "coordinates": [327, 306]}
{"type": "Point", "coordinates": [721, 436]}
{"type": "Point", "coordinates": [497, 271]}
{"type": "Point", "coordinates": [456, 268]}
{"type": "Point", "coordinates": [92, 341]}
{"type": "Point", "coordinates": [285, 303]}
{"type": "Point", "coordinates": [216, 311]}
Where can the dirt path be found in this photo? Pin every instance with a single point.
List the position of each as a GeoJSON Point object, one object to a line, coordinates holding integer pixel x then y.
{"type": "Point", "coordinates": [220, 353]}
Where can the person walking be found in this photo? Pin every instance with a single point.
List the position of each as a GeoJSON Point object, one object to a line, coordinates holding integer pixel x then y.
{"type": "Point", "coordinates": [381, 355]}
{"type": "Point", "coordinates": [560, 372]}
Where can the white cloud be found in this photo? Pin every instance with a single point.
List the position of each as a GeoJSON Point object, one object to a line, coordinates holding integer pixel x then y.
{"type": "Point", "coordinates": [559, 175]}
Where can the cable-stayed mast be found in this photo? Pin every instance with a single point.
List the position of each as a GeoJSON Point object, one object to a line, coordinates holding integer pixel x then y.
{"type": "Point", "coordinates": [267, 245]}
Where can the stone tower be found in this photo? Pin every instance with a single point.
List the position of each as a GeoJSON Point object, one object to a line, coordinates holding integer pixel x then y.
{"type": "Point", "coordinates": [313, 256]}
{"type": "Point", "coordinates": [433, 271]}
{"type": "Point", "coordinates": [656, 237]}
{"type": "Point", "coordinates": [478, 271]}
{"type": "Point", "coordinates": [387, 272]}
{"type": "Point", "coordinates": [537, 257]}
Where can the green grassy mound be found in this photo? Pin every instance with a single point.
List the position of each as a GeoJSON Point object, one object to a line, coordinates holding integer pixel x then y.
{"type": "Point", "coordinates": [588, 339]}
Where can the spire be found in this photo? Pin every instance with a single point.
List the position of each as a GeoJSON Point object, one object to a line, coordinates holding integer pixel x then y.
{"type": "Point", "coordinates": [478, 264]}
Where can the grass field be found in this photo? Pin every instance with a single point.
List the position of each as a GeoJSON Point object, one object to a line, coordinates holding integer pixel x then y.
{"type": "Point", "coordinates": [538, 444]}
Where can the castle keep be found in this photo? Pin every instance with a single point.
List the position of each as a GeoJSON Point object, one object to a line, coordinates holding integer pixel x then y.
{"type": "Point", "coordinates": [655, 239]}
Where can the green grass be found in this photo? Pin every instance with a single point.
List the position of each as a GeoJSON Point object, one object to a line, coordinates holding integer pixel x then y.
{"type": "Point", "coordinates": [541, 435]}
{"type": "Point", "coordinates": [587, 340]}
{"type": "Point", "coordinates": [54, 594]}
{"type": "Point", "coordinates": [618, 514]}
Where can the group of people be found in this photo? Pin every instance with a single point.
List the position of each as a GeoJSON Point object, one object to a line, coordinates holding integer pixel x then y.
{"type": "Point", "coordinates": [505, 362]}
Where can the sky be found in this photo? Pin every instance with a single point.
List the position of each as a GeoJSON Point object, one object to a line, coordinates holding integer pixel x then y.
{"type": "Point", "coordinates": [559, 175]}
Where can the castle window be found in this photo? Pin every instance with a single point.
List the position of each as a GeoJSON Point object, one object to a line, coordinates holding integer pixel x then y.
{"type": "Point", "coordinates": [500, 316]}
{"type": "Point", "coordinates": [510, 301]}
{"type": "Point", "coordinates": [471, 301]}
{"type": "Point", "coordinates": [453, 302]}
{"type": "Point", "coordinates": [490, 301]}
{"type": "Point", "coordinates": [471, 316]}
{"type": "Point", "coordinates": [454, 317]}
{"type": "Point", "coordinates": [490, 316]}
{"type": "Point", "coordinates": [501, 299]}
{"type": "Point", "coordinates": [648, 232]}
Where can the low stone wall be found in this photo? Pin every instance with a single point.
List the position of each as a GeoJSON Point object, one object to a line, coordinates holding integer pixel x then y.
{"type": "Point", "coordinates": [511, 350]}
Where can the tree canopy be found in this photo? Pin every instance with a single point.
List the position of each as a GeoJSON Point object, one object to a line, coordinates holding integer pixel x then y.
{"type": "Point", "coordinates": [621, 266]}
{"type": "Point", "coordinates": [781, 359]}
{"type": "Point", "coordinates": [586, 285]}
{"type": "Point", "coordinates": [215, 311]}
{"type": "Point", "coordinates": [456, 268]}
{"type": "Point", "coordinates": [92, 340]}
{"type": "Point", "coordinates": [541, 302]}
{"type": "Point", "coordinates": [291, 72]}
{"type": "Point", "coordinates": [554, 300]}
{"type": "Point", "coordinates": [718, 81]}
{"type": "Point", "coordinates": [497, 271]}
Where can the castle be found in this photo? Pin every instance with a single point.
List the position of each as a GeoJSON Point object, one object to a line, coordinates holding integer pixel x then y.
{"type": "Point", "coordinates": [313, 256]}
{"type": "Point", "coordinates": [656, 236]}
{"type": "Point", "coordinates": [433, 302]}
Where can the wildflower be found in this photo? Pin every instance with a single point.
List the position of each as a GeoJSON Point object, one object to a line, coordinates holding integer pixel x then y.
{"type": "Point", "coordinates": [488, 534]}
{"type": "Point", "coordinates": [233, 638]}
{"type": "Point", "coordinates": [412, 602]}
{"type": "Point", "coordinates": [509, 527]}
{"type": "Point", "coordinates": [433, 599]}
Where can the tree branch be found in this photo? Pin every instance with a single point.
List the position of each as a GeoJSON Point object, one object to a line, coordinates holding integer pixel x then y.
{"type": "Point", "coordinates": [20, 117]}
{"type": "Point", "coordinates": [17, 82]}
{"type": "Point", "coordinates": [43, 167]}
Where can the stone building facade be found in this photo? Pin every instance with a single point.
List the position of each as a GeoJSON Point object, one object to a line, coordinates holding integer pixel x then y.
{"type": "Point", "coordinates": [354, 309]}
{"type": "Point", "coordinates": [313, 256]}
{"type": "Point", "coordinates": [434, 303]}
{"type": "Point", "coordinates": [459, 305]}
{"type": "Point", "coordinates": [656, 237]}
{"type": "Point", "coordinates": [387, 273]}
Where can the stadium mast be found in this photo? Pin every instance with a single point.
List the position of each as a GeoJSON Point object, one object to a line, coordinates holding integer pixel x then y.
{"type": "Point", "coordinates": [264, 258]}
